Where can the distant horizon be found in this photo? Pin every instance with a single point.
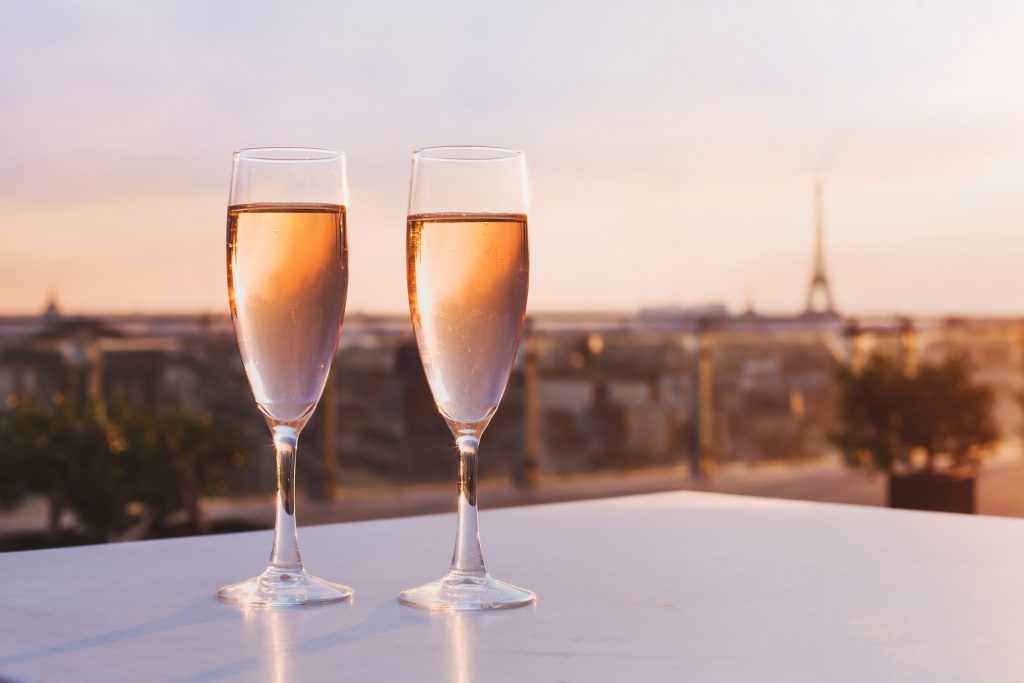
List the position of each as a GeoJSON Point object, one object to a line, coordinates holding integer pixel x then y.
{"type": "Point", "coordinates": [734, 311]}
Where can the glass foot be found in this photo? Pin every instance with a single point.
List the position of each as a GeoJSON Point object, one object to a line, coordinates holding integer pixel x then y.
{"type": "Point", "coordinates": [459, 593]}
{"type": "Point", "coordinates": [277, 588]}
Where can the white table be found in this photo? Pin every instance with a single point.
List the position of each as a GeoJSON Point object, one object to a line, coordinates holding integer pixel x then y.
{"type": "Point", "coordinates": [665, 587]}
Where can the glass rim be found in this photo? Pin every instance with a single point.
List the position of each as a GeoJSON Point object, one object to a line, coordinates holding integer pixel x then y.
{"type": "Point", "coordinates": [467, 153]}
{"type": "Point", "coordinates": [288, 154]}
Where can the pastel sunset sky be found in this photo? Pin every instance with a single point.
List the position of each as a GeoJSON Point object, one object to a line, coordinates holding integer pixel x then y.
{"type": "Point", "coordinates": [672, 146]}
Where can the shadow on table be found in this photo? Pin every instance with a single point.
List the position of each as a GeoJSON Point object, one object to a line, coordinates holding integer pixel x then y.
{"type": "Point", "coordinates": [274, 634]}
{"type": "Point", "coordinates": [275, 637]}
{"type": "Point", "coordinates": [200, 611]}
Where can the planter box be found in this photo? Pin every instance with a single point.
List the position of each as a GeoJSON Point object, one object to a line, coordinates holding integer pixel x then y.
{"type": "Point", "coordinates": [938, 491]}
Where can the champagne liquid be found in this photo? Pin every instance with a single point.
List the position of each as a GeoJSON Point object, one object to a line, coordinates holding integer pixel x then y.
{"type": "Point", "coordinates": [468, 275]}
{"type": "Point", "coordinates": [287, 282]}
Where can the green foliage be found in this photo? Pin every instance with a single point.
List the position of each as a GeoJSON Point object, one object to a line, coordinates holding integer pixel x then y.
{"type": "Point", "coordinates": [136, 469]}
{"type": "Point", "coordinates": [888, 415]}
{"type": "Point", "coordinates": [69, 454]}
{"type": "Point", "coordinates": [176, 458]}
{"type": "Point", "coordinates": [870, 410]}
{"type": "Point", "coordinates": [24, 430]}
{"type": "Point", "coordinates": [90, 470]}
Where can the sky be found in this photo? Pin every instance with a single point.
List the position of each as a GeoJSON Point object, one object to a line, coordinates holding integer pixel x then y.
{"type": "Point", "coordinates": [672, 146]}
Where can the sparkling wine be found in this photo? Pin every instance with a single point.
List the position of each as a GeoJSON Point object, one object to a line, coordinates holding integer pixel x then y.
{"type": "Point", "coordinates": [287, 282]}
{"type": "Point", "coordinates": [468, 276]}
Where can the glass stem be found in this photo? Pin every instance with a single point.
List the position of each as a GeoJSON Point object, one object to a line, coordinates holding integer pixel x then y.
{"type": "Point", "coordinates": [468, 558]}
{"type": "Point", "coordinates": [285, 555]}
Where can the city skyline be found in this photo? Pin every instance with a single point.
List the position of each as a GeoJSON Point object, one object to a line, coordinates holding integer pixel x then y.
{"type": "Point", "coordinates": [672, 151]}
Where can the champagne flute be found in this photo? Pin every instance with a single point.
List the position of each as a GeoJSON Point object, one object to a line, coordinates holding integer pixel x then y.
{"type": "Point", "coordinates": [287, 253]}
{"type": "Point", "coordinates": [467, 261]}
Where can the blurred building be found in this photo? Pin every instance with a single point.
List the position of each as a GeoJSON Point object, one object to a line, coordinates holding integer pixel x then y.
{"type": "Point", "coordinates": [672, 386]}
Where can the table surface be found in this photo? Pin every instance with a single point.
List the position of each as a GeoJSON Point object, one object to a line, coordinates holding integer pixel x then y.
{"type": "Point", "coordinates": [665, 587]}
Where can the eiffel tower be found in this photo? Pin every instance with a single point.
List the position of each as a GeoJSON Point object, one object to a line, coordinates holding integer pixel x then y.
{"type": "Point", "coordinates": [819, 292]}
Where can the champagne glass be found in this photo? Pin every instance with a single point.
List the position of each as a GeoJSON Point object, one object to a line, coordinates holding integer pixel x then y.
{"type": "Point", "coordinates": [467, 261]}
{"type": "Point", "coordinates": [287, 282]}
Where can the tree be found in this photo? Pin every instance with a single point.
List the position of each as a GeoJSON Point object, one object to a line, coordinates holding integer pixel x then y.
{"type": "Point", "coordinates": [91, 470]}
{"type": "Point", "coordinates": [137, 469]}
{"type": "Point", "coordinates": [176, 458]}
{"type": "Point", "coordinates": [23, 430]}
{"type": "Point", "coordinates": [71, 455]}
{"type": "Point", "coordinates": [950, 414]}
{"type": "Point", "coordinates": [887, 415]}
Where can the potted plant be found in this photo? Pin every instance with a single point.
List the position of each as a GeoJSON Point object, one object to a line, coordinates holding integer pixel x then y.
{"type": "Point", "coordinates": [928, 431]}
